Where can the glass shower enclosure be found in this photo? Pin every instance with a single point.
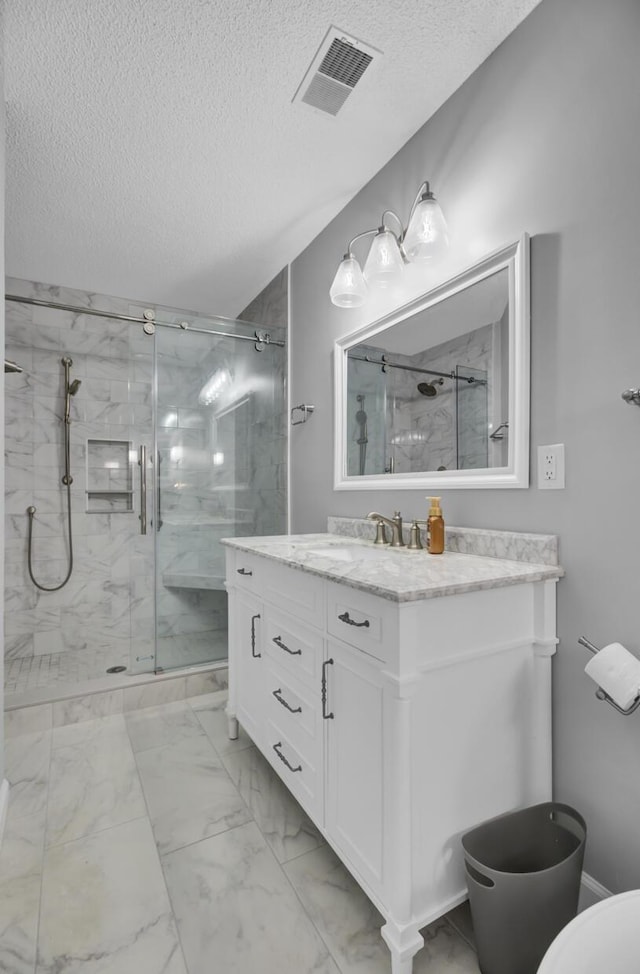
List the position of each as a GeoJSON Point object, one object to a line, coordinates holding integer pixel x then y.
{"type": "Point", "coordinates": [178, 438]}
{"type": "Point", "coordinates": [219, 472]}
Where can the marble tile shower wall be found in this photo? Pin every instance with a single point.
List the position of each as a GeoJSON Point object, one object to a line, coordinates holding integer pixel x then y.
{"type": "Point", "coordinates": [109, 598]}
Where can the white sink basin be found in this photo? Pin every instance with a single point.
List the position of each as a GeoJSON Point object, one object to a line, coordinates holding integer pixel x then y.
{"type": "Point", "coordinates": [348, 553]}
{"type": "Point", "coordinates": [602, 940]}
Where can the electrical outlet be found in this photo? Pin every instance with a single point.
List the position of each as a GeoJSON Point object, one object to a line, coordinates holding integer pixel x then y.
{"type": "Point", "coordinates": [551, 467]}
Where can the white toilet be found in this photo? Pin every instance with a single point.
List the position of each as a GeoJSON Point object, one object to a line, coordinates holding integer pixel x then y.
{"type": "Point", "coordinates": [605, 939]}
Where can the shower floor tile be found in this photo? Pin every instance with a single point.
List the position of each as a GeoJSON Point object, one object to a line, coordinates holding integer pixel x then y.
{"type": "Point", "coordinates": [56, 669]}
{"type": "Point", "coordinates": [74, 666]}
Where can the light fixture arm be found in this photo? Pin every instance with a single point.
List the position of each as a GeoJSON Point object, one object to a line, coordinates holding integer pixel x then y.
{"type": "Point", "coordinates": [396, 217]}
{"type": "Point", "coordinates": [358, 236]}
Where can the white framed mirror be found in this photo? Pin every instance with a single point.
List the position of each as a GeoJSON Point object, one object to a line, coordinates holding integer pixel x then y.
{"type": "Point", "coordinates": [435, 395]}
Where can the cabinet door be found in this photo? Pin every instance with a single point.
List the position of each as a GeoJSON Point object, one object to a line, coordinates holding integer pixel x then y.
{"type": "Point", "coordinates": [354, 760]}
{"type": "Point", "coordinates": [248, 665]}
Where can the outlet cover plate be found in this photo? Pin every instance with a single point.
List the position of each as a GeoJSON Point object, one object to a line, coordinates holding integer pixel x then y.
{"type": "Point", "coordinates": [551, 466]}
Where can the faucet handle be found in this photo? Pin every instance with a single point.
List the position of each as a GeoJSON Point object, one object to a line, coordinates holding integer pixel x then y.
{"type": "Point", "coordinates": [415, 544]}
{"type": "Point", "coordinates": [381, 537]}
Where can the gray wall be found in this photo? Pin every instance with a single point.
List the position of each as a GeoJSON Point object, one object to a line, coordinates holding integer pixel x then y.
{"type": "Point", "coordinates": [543, 138]}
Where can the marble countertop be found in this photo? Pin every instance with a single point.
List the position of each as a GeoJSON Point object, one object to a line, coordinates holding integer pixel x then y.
{"type": "Point", "coordinates": [397, 574]}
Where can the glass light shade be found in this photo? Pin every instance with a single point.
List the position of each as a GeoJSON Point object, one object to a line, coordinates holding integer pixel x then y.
{"type": "Point", "coordinates": [348, 289]}
{"type": "Point", "coordinates": [426, 235]}
{"type": "Point", "coordinates": [384, 266]}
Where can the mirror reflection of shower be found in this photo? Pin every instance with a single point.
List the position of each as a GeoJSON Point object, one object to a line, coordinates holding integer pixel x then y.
{"type": "Point", "coordinates": [361, 420]}
{"type": "Point", "coordinates": [70, 389]}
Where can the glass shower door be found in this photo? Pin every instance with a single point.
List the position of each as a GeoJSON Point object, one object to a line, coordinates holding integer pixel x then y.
{"type": "Point", "coordinates": [220, 463]}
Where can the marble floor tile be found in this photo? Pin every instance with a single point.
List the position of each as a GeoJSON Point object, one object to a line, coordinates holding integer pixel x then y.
{"type": "Point", "coordinates": [166, 724]}
{"type": "Point", "coordinates": [94, 782]}
{"type": "Point", "coordinates": [460, 920]}
{"type": "Point", "coordinates": [284, 824]}
{"type": "Point", "coordinates": [210, 711]}
{"type": "Point", "coordinates": [27, 769]}
{"type": "Point", "coordinates": [19, 910]}
{"type": "Point", "coordinates": [234, 904]}
{"type": "Point", "coordinates": [189, 793]}
{"type": "Point", "coordinates": [444, 950]}
{"type": "Point", "coordinates": [105, 908]}
{"type": "Point", "coordinates": [350, 924]}
{"type": "Point", "coordinates": [347, 921]}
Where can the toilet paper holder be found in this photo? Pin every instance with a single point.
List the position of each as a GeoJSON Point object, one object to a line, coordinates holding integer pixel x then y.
{"type": "Point", "coordinates": [602, 694]}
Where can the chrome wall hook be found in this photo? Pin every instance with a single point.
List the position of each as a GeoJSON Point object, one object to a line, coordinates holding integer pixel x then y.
{"type": "Point", "coordinates": [602, 694]}
{"type": "Point", "coordinates": [306, 411]}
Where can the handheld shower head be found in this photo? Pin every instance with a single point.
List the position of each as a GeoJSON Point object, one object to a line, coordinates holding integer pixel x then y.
{"type": "Point", "coordinates": [73, 388]}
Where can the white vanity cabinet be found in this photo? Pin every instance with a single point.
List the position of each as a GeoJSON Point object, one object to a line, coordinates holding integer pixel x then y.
{"type": "Point", "coordinates": [397, 725]}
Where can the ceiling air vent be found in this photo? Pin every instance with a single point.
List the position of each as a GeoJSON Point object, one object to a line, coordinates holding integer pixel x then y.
{"type": "Point", "coordinates": [338, 66]}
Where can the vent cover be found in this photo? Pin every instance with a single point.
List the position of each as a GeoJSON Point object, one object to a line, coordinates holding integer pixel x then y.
{"type": "Point", "coordinates": [336, 69]}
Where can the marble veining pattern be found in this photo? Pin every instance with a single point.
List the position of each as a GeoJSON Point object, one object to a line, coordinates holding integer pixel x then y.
{"type": "Point", "coordinates": [251, 884]}
{"type": "Point", "coordinates": [400, 575]}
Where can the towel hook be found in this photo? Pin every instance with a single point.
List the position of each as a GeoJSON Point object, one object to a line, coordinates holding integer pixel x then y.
{"type": "Point", "coordinates": [632, 396]}
{"type": "Point", "coordinates": [306, 411]}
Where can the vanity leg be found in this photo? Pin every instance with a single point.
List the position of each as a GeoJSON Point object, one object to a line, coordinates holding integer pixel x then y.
{"type": "Point", "coordinates": [232, 726]}
{"type": "Point", "coordinates": [404, 944]}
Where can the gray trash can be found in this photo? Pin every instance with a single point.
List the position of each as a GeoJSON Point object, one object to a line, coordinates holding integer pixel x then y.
{"type": "Point", "coordinates": [523, 876]}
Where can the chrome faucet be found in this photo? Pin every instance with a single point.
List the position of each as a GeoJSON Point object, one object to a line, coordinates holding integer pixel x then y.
{"type": "Point", "coordinates": [395, 523]}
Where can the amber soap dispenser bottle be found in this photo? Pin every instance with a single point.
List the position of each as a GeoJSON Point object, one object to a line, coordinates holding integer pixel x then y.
{"type": "Point", "coordinates": [435, 527]}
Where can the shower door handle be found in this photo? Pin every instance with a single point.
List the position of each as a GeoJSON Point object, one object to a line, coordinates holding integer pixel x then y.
{"type": "Point", "coordinates": [142, 461]}
{"type": "Point", "coordinates": [159, 511]}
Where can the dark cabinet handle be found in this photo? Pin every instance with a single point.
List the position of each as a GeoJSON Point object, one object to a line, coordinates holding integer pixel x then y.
{"type": "Point", "coordinates": [276, 748]}
{"type": "Point", "coordinates": [253, 637]}
{"type": "Point", "coordinates": [292, 652]}
{"type": "Point", "coordinates": [325, 715]}
{"type": "Point", "coordinates": [345, 617]}
{"type": "Point", "coordinates": [244, 571]}
{"type": "Point", "coordinates": [292, 710]}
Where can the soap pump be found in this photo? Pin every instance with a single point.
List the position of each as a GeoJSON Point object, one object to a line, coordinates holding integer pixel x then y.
{"type": "Point", "coordinates": [435, 527]}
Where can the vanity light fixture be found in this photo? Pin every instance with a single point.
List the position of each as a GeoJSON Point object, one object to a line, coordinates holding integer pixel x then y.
{"type": "Point", "coordinates": [424, 238]}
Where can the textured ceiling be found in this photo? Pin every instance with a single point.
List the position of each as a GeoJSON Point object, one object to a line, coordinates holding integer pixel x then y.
{"type": "Point", "coordinates": [153, 150]}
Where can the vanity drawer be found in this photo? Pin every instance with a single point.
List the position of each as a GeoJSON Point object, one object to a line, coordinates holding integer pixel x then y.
{"type": "Point", "coordinates": [295, 710]}
{"type": "Point", "coordinates": [298, 593]}
{"type": "Point", "coordinates": [362, 620]}
{"type": "Point", "coordinates": [244, 571]}
{"type": "Point", "coordinates": [295, 648]}
{"type": "Point", "coordinates": [301, 776]}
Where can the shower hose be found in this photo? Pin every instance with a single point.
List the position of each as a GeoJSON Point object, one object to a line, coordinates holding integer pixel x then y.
{"type": "Point", "coordinates": [67, 480]}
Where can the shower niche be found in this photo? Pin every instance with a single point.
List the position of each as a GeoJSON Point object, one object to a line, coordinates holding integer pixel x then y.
{"type": "Point", "coordinates": [109, 476]}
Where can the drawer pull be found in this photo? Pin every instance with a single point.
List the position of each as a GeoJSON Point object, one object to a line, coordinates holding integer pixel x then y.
{"type": "Point", "coordinates": [292, 652]}
{"type": "Point", "coordinates": [244, 571]}
{"type": "Point", "coordinates": [276, 748]}
{"type": "Point", "coordinates": [292, 710]}
{"type": "Point", "coordinates": [346, 618]}
{"type": "Point", "coordinates": [325, 715]}
{"type": "Point", "coordinates": [253, 637]}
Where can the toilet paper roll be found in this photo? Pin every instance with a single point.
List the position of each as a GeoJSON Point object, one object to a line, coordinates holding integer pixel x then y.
{"type": "Point", "coordinates": [617, 671]}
